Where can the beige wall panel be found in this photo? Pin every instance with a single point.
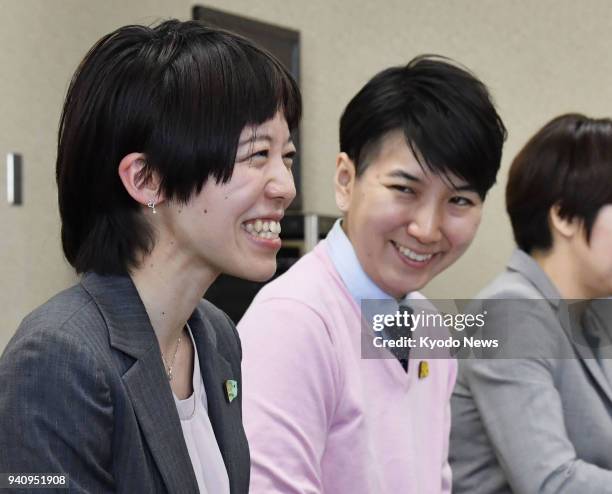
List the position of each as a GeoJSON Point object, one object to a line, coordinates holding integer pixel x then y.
{"type": "Point", "coordinates": [540, 58]}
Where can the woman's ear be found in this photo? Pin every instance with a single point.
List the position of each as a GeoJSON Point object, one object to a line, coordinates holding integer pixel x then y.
{"type": "Point", "coordinates": [564, 227]}
{"type": "Point", "coordinates": [142, 186]}
{"type": "Point", "coordinates": [344, 181]}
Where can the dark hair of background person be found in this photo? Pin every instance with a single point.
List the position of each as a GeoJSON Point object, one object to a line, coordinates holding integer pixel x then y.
{"type": "Point", "coordinates": [445, 113]}
{"type": "Point", "coordinates": [181, 94]}
{"type": "Point", "coordinates": [566, 163]}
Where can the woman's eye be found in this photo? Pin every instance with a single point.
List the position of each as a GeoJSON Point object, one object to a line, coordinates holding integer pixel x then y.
{"type": "Point", "coordinates": [403, 188]}
{"type": "Point", "coordinates": [461, 201]}
{"type": "Point", "coordinates": [288, 158]}
{"type": "Point", "coordinates": [256, 157]}
{"type": "Point", "coordinates": [259, 154]}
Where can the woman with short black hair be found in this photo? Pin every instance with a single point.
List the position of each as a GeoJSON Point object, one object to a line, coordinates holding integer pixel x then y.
{"type": "Point", "coordinates": [326, 410]}
{"type": "Point", "coordinates": [173, 166]}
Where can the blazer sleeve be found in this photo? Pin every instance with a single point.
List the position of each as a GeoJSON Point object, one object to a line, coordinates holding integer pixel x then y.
{"type": "Point", "coordinates": [447, 475]}
{"type": "Point", "coordinates": [290, 386]}
{"type": "Point", "coordinates": [522, 414]}
{"type": "Point", "coordinates": [55, 411]}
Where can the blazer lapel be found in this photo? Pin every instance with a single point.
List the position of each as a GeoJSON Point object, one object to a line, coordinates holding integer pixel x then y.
{"type": "Point", "coordinates": [574, 326]}
{"type": "Point", "coordinates": [600, 318]}
{"type": "Point", "coordinates": [225, 416]}
{"type": "Point", "coordinates": [529, 268]}
{"type": "Point", "coordinates": [130, 331]}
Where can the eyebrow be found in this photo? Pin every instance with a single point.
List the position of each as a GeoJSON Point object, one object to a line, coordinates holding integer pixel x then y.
{"type": "Point", "coordinates": [404, 175]}
{"type": "Point", "coordinates": [465, 188]}
{"type": "Point", "coordinates": [260, 137]}
{"type": "Point", "coordinates": [407, 176]}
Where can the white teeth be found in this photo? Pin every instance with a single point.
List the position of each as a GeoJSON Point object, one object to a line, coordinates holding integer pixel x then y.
{"type": "Point", "coordinates": [413, 255]}
{"type": "Point", "coordinates": [267, 229]}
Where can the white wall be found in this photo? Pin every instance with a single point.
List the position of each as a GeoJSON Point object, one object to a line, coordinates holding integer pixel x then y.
{"type": "Point", "coordinates": [540, 58]}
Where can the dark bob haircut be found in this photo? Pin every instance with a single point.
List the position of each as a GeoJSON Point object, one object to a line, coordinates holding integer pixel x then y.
{"type": "Point", "coordinates": [181, 93]}
{"type": "Point", "coordinates": [445, 113]}
{"type": "Point", "coordinates": [567, 163]}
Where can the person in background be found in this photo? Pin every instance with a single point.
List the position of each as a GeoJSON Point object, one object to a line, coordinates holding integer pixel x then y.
{"type": "Point", "coordinates": [420, 147]}
{"type": "Point", "coordinates": [174, 140]}
{"type": "Point", "coordinates": [541, 422]}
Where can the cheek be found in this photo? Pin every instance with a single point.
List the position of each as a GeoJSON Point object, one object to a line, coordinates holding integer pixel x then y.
{"type": "Point", "coordinates": [247, 193]}
{"type": "Point", "coordinates": [601, 235]}
{"type": "Point", "coordinates": [461, 231]}
{"type": "Point", "coordinates": [388, 218]}
{"type": "Point", "coordinates": [236, 197]}
{"type": "Point", "coordinates": [601, 248]}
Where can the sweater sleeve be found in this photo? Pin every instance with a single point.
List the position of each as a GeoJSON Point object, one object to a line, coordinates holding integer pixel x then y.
{"type": "Point", "coordinates": [291, 386]}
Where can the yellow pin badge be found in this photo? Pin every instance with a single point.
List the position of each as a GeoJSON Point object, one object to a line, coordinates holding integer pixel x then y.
{"type": "Point", "coordinates": [423, 369]}
{"type": "Point", "coordinates": [231, 390]}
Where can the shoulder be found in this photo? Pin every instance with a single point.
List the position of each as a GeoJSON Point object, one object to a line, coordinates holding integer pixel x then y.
{"type": "Point", "coordinates": [56, 352]}
{"type": "Point", "coordinates": [513, 303]}
{"type": "Point", "coordinates": [300, 311]}
{"type": "Point", "coordinates": [509, 285]}
{"type": "Point", "coordinates": [57, 397]}
{"type": "Point", "coordinates": [524, 324]}
{"type": "Point", "coordinates": [287, 341]}
{"type": "Point", "coordinates": [309, 296]}
{"type": "Point", "coordinates": [215, 316]}
{"type": "Point", "coordinates": [224, 329]}
{"type": "Point", "coordinates": [512, 297]}
{"type": "Point", "coordinates": [312, 282]}
{"type": "Point", "coordinates": [69, 319]}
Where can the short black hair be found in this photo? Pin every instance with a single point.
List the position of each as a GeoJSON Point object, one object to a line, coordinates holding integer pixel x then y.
{"type": "Point", "coordinates": [181, 93]}
{"type": "Point", "coordinates": [568, 163]}
{"type": "Point", "coordinates": [445, 113]}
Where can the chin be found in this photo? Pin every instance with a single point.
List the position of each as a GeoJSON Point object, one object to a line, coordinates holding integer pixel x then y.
{"type": "Point", "coordinates": [414, 287]}
{"type": "Point", "coordinates": [263, 273]}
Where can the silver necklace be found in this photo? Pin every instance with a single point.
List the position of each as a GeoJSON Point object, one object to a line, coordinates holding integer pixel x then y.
{"type": "Point", "coordinates": [168, 368]}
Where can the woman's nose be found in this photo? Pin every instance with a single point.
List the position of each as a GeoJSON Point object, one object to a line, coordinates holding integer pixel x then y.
{"type": "Point", "coordinates": [281, 185]}
{"type": "Point", "coordinates": [425, 225]}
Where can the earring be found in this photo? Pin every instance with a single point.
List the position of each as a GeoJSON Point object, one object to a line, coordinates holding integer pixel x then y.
{"type": "Point", "coordinates": [151, 204]}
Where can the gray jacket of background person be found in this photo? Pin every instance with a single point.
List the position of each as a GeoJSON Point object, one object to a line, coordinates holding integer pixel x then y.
{"type": "Point", "coordinates": [83, 392]}
{"type": "Point", "coordinates": [538, 424]}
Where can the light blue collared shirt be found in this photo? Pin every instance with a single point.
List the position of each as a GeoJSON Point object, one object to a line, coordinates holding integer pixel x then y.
{"type": "Point", "coordinates": [345, 260]}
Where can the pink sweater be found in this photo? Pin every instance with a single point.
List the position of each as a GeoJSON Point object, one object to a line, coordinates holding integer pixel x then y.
{"type": "Point", "coordinates": [319, 419]}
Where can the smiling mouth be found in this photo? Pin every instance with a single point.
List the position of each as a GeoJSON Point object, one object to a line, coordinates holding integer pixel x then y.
{"type": "Point", "coordinates": [262, 228]}
{"type": "Point", "coordinates": [411, 254]}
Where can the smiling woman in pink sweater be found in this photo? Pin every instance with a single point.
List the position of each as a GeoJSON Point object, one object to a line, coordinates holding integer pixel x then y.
{"type": "Point", "coordinates": [420, 147]}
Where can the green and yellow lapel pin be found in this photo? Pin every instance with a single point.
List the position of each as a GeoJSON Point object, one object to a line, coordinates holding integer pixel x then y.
{"type": "Point", "coordinates": [231, 390]}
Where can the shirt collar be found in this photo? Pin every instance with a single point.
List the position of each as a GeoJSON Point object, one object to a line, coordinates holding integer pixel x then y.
{"type": "Point", "coordinates": [345, 260]}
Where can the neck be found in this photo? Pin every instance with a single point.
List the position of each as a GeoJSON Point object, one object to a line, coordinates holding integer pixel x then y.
{"type": "Point", "coordinates": [559, 265]}
{"type": "Point", "coordinates": [170, 286]}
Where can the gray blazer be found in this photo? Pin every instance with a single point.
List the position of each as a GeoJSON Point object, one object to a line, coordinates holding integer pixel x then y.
{"type": "Point", "coordinates": [537, 424]}
{"type": "Point", "coordinates": [83, 392]}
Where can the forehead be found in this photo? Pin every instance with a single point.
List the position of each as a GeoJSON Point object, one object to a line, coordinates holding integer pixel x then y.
{"type": "Point", "coordinates": [604, 216]}
{"type": "Point", "coordinates": [393, 158]}
{"type": "Point", "coordinates": [275, 129]}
